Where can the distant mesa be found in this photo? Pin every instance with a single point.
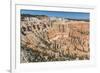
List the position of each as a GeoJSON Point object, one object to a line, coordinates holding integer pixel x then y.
{"type": "Point", "coordinates": [42, 16]}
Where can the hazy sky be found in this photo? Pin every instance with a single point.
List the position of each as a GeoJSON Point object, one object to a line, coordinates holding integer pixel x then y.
{"type": "Point", "coordinates": [73, 15]}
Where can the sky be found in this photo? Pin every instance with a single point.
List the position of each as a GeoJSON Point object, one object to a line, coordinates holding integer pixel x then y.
{"type": "Point", "coordinates": [72, 15]}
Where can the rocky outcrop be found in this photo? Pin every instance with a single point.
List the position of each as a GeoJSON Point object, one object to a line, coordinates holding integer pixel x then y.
{"type": "Point", "coordinates": [45, 40]}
